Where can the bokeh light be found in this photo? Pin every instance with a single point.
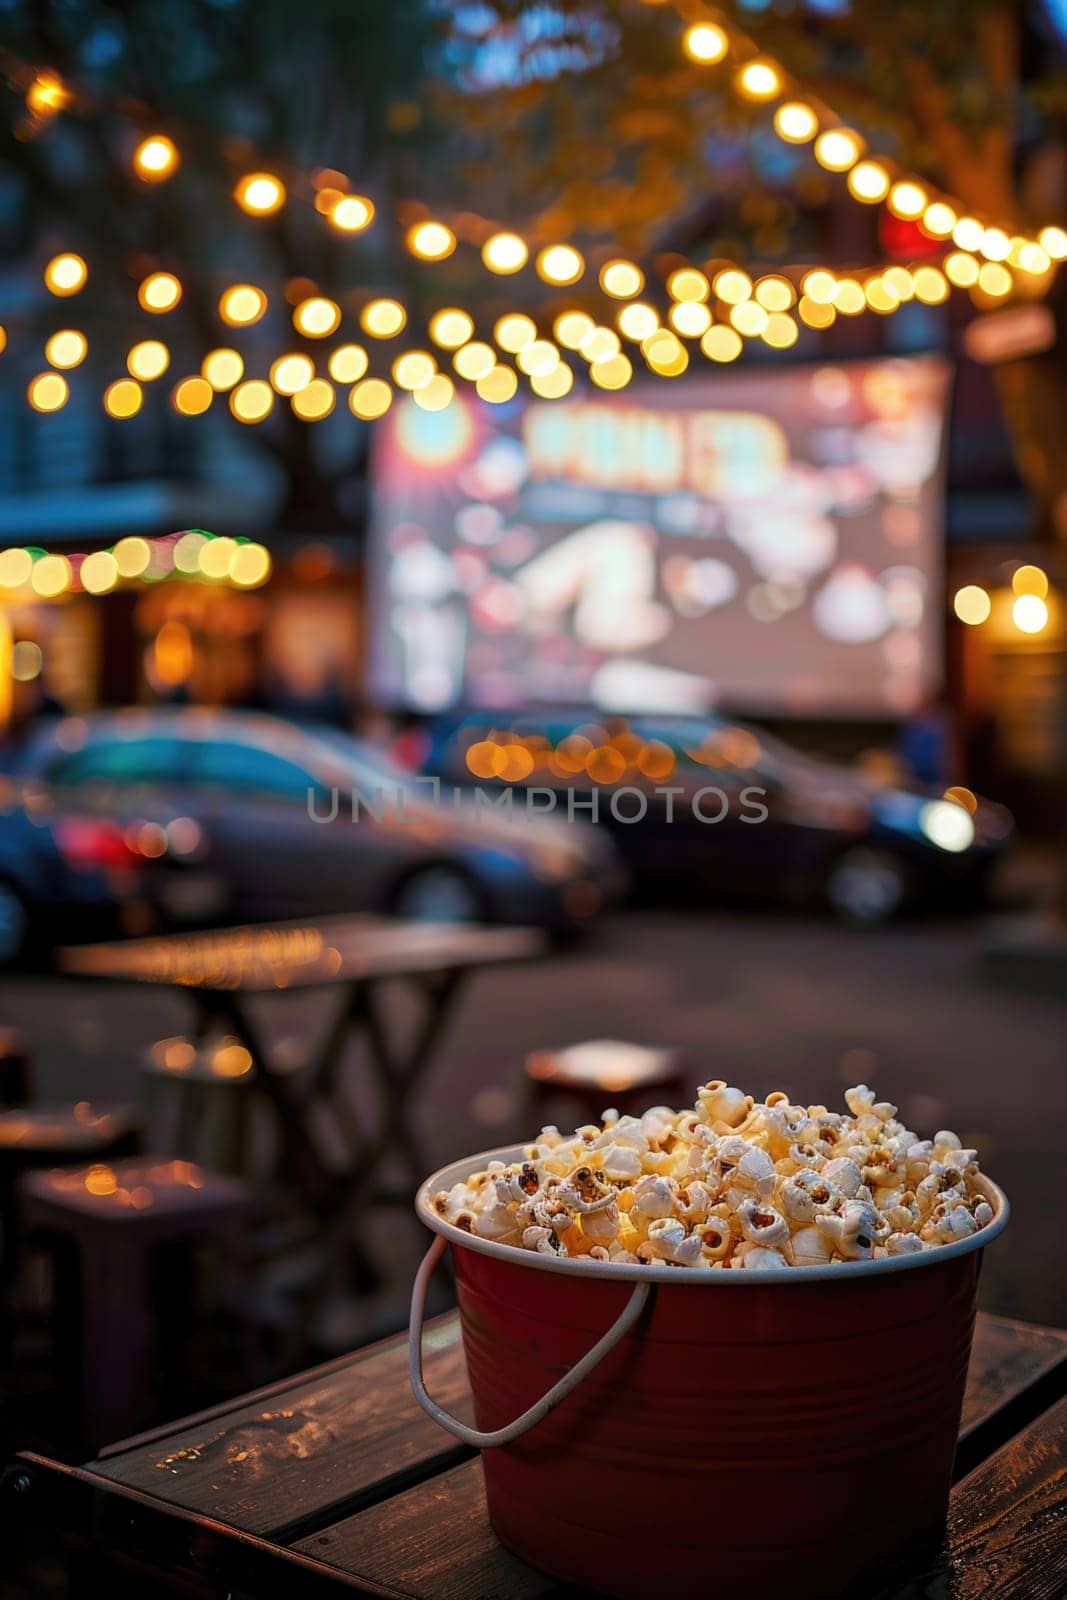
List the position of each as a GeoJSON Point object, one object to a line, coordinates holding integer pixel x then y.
{"type": "Point", "coordinates": [260, 194]}
{"type": "Point", "coordinates": [383, 319]}
{"type": "Point", "coordinates": [159, 292]}
{"type": "Point", "coordinates": [505, 253]}
{"type": "Point", "coordinates": [972, 604]}
{"type": "Point", "coordinates": [65, 274]}
{"type": "Point", "coordinates": [242, 304]}
{"type": "Point", "coordinates": [123, 398]}
{"type": "Point", "coordinates": [222, 368]}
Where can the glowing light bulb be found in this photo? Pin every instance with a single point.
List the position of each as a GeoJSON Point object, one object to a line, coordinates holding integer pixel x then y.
{"type": "Point", "coordinates": [849, 298]}
{"type": "Point", "coordinates": [241, 305]}
{"type": "Point", "coordinates": [435, 395]}
{"type": "Point", "coordinates": [571, 327]}
{"type": "Point", "coordinates": [147, 360]}
{"type": "Point", "coordinates": [249, 566]}
{"type": "Point", "coordinates": [972, 604]}
{"type": "Point", "coordinates": [732, 286]}
{"type": "Point", "coordinates": [819, 286]}
{"type": "Point", "coordinates": [599, 344]}
{"type": "Point", "coordinates": [688, 284]}
{"type": "Point", "coordinates": [347, 363]}
{"type": "Point", "coordinates": [795, 122]}
{"type": "Point", "coordinates": [98, 573]}
{"type": "Point", "coordinates": [413, 369]}
{"type": "Point", "coordinates": [636, 321]}
{"type": "Point", "coordinates": [132, 557]}
{"type": "Point", "coordinates": [451, 328]}
{"type": "Point", "coordinates": [159, 292]}
{"type": "Point", "coordinates": [314, 401]}
{"type": "Point", "coordinates": [560, 263]}
{"type": "Point", "coordinates": [665, 353]}
{"type": "Point", "coordinates": [383, 319]}
{"type": "Point", "coordinates": [759, 80]}
{"type": "Point", "coordinates": [48, 392]}
{"type": "Point", "coordinates": [930, 286]}
{"type": "Point", "coordinates": [690, 318]}
{"type": "Point", "coordinates": [497, 385]}
{"type": "Point", "coordinates": [879, 296]}
{"type": "Point", "coordinates": [995, 280]}
{"type": "Point", "coordinates": [837, 149]}
{"type": "Point", "coordinates": [1029, 613]}
{"type": "Point", "coordinates": [722, 344]}
{"type": "Point", "coordinates": [868, 181]}
{"type": "Point", "coordinates": [939, 219]}
{"type": "Point", "coordinates": [614, 373]}
{"type": "Point", "coordinates": [781, 332]}
{"type": "Point", "coordinates": [291, 373]}
{"type": "Point", "coordinates": [192, 396]}
{"type": "Point", "coordinates": [898, 280]}
{"type": "Point", "coordinates": [474, 360]}
{"type": "Point", "coordinates": [252, 401]}
{"type": "Point", "coordinates": [815, 313]}
{"type": "Point", "coordinates": [513, 331]}
{"type": "Point", "coordinates": [123, 398]}
{"type": "Point", "coordinates": [317, 317]}
{"type": "Point", "coordinates": [907, 200]}
{"type": "Point", "coordinates": [352, 213]}
{"type": "Point", "coordinates": [65, 274]}
{"type": "Point", "coordinates": [968, 233]}
{"type": "Point", "coordinates": [621, 279]}
{"type": "Point", "coordinates": [775, 294]}
{"type": "Point", "coordinates": [260, 194]}
{"type": "Point", "coordinates": [749, 318]}
{"type": "Point", "coordinates": [1034, 259]}
{"type": "Point", "coordinates": [156, 158]}
{"type": "Point", "coordinates": [706, 43]}
{"type": "Point", "coordinates": [1054, 241]}
{"type": "Point", "coordinates": [66, 349]}
{"type": "Point", "coordinates": [431, 241]}
{"type": "Point", "coordinates": [16, 567]}
{"type": "Point", "coordinates": [961, 269]}
{"type": "Point", "coordinates": [222, 368]}
{"type": "Point", "coordinates": [995, 245]}
{"type": "Point", "coordinates": [52, 576]}
{"type": "Point", "coordinates": [505, 253]}
{"type": "Point", "coordinates": [555, 384]}
{"type": "Point", "coordinates": [370, 399]}
{"type": "Point", "coordinates": [538, 357]}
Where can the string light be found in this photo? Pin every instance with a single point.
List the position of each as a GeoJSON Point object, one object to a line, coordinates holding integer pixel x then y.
{"type": "Point", "coordinates": [222, 368]}
{"type": "Point", "coordinates": [1029, 613]}
{"type": "Point", "coordinates": [868, 181]}
{"type": "Point", "coordinates": [431, 241]}
{"type": "Point", "coordinates": [555, 384]}
{"type": "Point", "coordinates": [1034, 259]}
{"type": "Point", "coordinates": [315, 401]}
{"type": "Point", "coordinates": [98, 573]}
{"type": "Point", "coordinates": [930, 286]}
{"type": "Point", "coordinates": [156, 158]}
{"type": "Point", "coordinates": [972, 604]}
{"type": "Point", "coordinates": [1054, 242]}
{"type": "Point", "coordinates": [192, 396]}
{"type": "Point", "coordinates": [775, 294]}
{"type": "Point", "coordinates": [123, 398]}
{"type": "Point", "coordinates": [968, 233]}
{"type": "Point", "coordinates": [214, 556]}
{"type": "Point", "coordinates": [907, 200]}
{"type": "Point", "coordinates": [571, 327]}
{"type": "Point", "coordinates": [67, 348]}
{"type": "Point", "coordinates": [132, 557]}
{"type": "Point", "coordinates": [497, 385]}
{"type": "Point", "coordinates": [241, 305]}
{"type": "Point", "coordinates": [819, 286]}
{"type": "Point", "coordinates": [599, 344]}
{"type": "Point", "coordinates": [781, 332]}
{"type": "Point", "coordinates": [252, 401]}
{"type": "Point", "coordinates": [413, 369]}
{"type": "Point", "coordinates": [249, 566]}
{"type": "Point", "coordinates": [539, 357]}
{"type": "Point", "coordinates": [260, 194]}
{"type": "Point", "coordinates": [688, 284]}
{"type": "Point", "coordinates": [505, 253]}
{"type": "Point", "coordinates": [994, 279]}
{"type": "Point", "coordinates": [147, 360]}
{"type": "Point", "coordinates": [849, 298]}
{"type": "Point", "coordinates": [474, 360]}
{"type": "Point", "coordinates": [352, 213]}
{"type": "Point", "coordinates": [706, 43]}
{"type": "Point", "coordinates": [636, 321]}
{"type": "Point", "coordinates": [291, 373]}
{"type": "Point", "coordinates": [383, 319]}
{"type": "Point", "coordinates": [748, 318]}
{"type": "Point", "coordinates": [614, 373]}
{"type": "Point", "coordinates": [795, 122]}
{"type": "Point", "coordinates": [816, 313]}
{"type": "Point", "coordinates": [721, 343]}
{"type": "Point", "coordinates": [898, 280]}
{"type": "Point", "coordinates": [961, 269]}
{"type": "Point", "coordinates": [732, 286]}
{"type": "Point", "coordinates": [347, 363]}
{"type": "Point", "coordinates": [451, 328]}
{"type": "Point", "coordinates": [995, 244]}
{"type": "Point", "coordinates": [51, 576]}
{"type": "Point", "coordinates": [15, 568]}
{"type": "Point", "coordinates": [514, 331]}
{"type": "Point", "coordinates": [621, 279]}
{"type": "Point", "coordinates": [665, 353]}
{"type": "Point", "coordinates": [48, 392]}
{"type": "Point", "coordinates": [690, 318]}
{"type": "Point", "coordinates": [879, 295]}
{"type": "Point", "coordinates": [317, 317]}
{"type": "Point", "coordinates": [838, 149]}
{"type": "Point", "coordinates": [939, 219]}
{"type": "Point", "coordinates": [369, 399]}
{"type": "Point", "coordinates": [65, 274]}
{"type": "Point", "coordinates": [560, 263]}
{"type": "Point", "coordinates": [159, 292]}
{"type": "Point", "coordinates": [435, 395]}
{"type": "Point", "coordinates": [759, 80]}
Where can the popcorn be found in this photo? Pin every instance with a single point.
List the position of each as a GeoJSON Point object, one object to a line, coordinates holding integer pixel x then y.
{"type": "Point", "coordinates": [732, 1184]}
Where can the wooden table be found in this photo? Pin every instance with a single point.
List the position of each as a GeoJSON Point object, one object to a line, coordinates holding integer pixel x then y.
{"type": "Point", "coordinates": [335, 1482]}
{"type": "Point", "coordinates": [224, 972]}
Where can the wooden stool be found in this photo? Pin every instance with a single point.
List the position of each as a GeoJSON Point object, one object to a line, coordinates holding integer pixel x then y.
{"type": "Point", "coordinates": [112, 1220]}
{"type": "Point", "coordinates": [15, 1087]}
{"type": "Point", "coordinates": [196, 1101]}
{"type": "Point", "coordinates": [48, 1136]}
{"type": "Point", "coordinates": [600, 1073]}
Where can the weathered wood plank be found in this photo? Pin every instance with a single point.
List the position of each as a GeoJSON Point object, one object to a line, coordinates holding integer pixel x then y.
{"type": "Point", "coordinates": [348, 1436]}
{"type": "Point", "coordinates": [1005, 1533]}
{"type": "Point", "coordinates": [433, 1543]}
{"type": "Point", "coordinates": [1007, 1357]}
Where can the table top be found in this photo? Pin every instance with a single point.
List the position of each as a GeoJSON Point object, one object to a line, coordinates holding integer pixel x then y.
{"type": "Point", "coordinates": [336, 1482]}
{"type": "Point", "coordinates": [263, 958]}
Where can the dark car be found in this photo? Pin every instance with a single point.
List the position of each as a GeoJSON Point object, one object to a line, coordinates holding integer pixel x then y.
{"type": "Point", "coordinates": [67, 872]}
{"type": "Point", "coordinates": [293, 821]}
{"type": "Point", "coordinates": [717, 808]}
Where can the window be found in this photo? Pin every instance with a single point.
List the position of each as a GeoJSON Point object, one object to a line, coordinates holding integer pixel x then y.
{"type": "Point", "coordinates": [248, 769]}
{"type": "Point", "coordinates": [111, 761]}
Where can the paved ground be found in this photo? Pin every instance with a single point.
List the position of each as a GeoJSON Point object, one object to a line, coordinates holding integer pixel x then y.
{"type": "Point", "coordinates": [766, 1002]}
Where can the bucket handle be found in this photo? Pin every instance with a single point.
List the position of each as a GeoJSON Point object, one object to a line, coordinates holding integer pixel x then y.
{"type": "Point", "coordinates": [548, 1402]}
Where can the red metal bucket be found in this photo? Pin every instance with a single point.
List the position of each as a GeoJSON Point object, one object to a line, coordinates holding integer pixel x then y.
{"type": "Point", "coordinates": [643, 1426]}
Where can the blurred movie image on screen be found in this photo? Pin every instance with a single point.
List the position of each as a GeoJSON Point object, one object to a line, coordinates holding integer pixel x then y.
{"type": "Point", "coordinates": [767, 541]}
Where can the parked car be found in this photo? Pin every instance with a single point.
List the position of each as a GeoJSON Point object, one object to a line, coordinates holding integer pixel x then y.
{"type": "Point", "coordinates": [293, 821]}
{"type": "Point", "coordinates": [721, 809]}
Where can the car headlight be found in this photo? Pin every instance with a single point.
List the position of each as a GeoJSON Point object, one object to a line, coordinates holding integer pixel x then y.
{"type": "Point", "coordinates": [947, 825]}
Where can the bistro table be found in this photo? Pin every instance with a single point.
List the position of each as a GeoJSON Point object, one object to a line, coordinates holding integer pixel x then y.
{"type": "Point", "coordinates": [336, 1482]}
{"type": "Point", "coordinates": [324, 1155]}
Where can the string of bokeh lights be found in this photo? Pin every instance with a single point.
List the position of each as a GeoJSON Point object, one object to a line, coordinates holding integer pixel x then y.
{"type": "Point", "coordinates": [30, 573]}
